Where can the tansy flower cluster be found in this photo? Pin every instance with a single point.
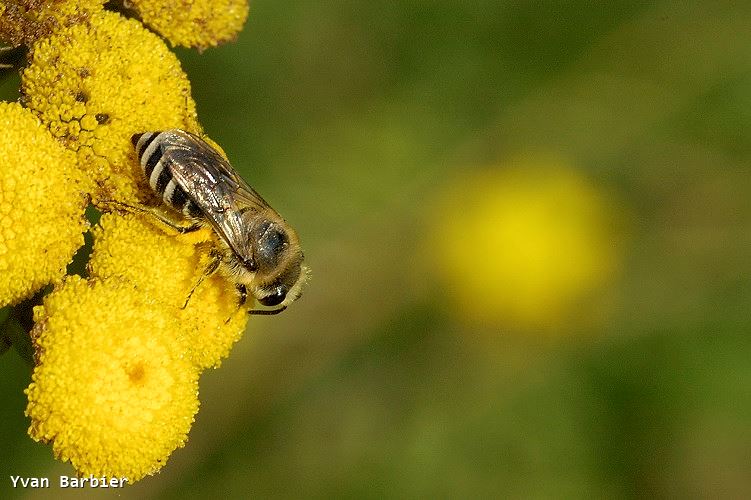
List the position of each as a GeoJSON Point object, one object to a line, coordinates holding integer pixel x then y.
{"type": "Point", "coordinates": [525, 245]}
{"type": "Point", "coordinates": [118, 351]}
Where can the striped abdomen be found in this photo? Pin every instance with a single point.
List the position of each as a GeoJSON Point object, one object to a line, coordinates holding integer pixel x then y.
{"type": "Point", "coordinates": [150, 152]}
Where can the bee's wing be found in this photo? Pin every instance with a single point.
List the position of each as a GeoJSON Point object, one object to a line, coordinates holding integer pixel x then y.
{"type": "Point", "coordinates": [214, 186]}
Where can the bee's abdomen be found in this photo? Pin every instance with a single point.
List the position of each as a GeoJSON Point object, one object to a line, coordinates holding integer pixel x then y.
{"type": "Point", "coordinates": [150, 154]}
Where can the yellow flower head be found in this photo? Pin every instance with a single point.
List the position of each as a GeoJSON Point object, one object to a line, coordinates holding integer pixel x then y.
{"type": "Point", "coordinates": [24, 21]}
{"type": "Point", "coordinates": [96, 84]}
{"type": "Point", "coordinates": [524, 245]}
{"type": "Point", "coordinates": [168, 267]}
{"type": "Point", "coordinates": [112, 390]}
{"type": "Point", "coordinates": [200, 24]}
{"type": "Point", "coordinates": [41, 206]}
{"type": "Point", "coordinates": [118, 354]}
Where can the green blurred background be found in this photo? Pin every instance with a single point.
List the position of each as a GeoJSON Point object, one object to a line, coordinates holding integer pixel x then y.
{"type": "Point", "coordinates": [356, 120]}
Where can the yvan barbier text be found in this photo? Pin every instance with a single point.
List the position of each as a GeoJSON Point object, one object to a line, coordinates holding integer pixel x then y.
{"type": "Point", "coordinates": [68, 482]}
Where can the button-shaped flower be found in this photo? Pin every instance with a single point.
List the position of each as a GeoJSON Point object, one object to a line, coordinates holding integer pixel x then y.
{"type": "Point", "coordinates": [112, 390]}
{"type": "Point", "coordinates": [22, 22]}
{"type": "Point", "coordinates": [199, 24]}
{"type": "Point", "coordinates": [41, 205]}
{"type": "Point", "coordinates": [525, 245]}
{"type": "Point", "coordinates": [96, 84]}
{"type": "Point", "coordinates": [118, 352]}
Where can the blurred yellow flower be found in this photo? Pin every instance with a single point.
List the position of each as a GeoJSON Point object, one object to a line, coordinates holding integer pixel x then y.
{"type": "Point", "coordinates": [199, 24]}
{"type": "Point", "coordinates": [41, 206]}
{"type": "Point", "coordinates": [96, 84]}
{"type": "Point", "coordinates": [525, 244]}
{"type": "Point", "coordinates": [112, 390]}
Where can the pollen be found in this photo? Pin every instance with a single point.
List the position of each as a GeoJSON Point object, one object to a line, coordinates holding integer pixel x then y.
{"type": "Point", "coordinates": [199, 24]}
{"type": "Point", "coordinates": [170, 268]}
{"type": "Point", "coordinates": [96, 84]}
{"type": "Point", "coordinates": [112, 390]}
{"type": "Point", "coordinates": [41, 206]}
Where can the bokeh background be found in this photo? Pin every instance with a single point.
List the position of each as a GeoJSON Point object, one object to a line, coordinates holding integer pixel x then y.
{"type": "Point", "coordinates": [528, 225]}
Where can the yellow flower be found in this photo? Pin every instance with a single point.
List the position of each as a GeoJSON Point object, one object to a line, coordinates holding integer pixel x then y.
{"type": "Point", "coordinates": [112, 390]}
{"type": "Point", "coordinates": [130, 247]}
{"type": "Point", "coordinates": [24, 21]}
{"type": "Point", "coordinates": [41, 206]}
{"type": "Point", "coordinates": [96, 84]}
{"type": "Point", "coordinates": [118, 354]}
{"type": "Point", "coordinates": [200, 24]}
{"type": "Point", "coordinates": [167, 266]}
{"type": "Point", "coordinates": [524, 245]}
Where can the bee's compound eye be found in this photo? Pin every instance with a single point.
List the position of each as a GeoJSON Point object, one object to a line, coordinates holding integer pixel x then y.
{"type": "Point", "coordinates": [274, 298]}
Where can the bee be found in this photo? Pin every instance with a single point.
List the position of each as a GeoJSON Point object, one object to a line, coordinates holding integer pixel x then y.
{"type": "Point", "coordinates": [258, 251]}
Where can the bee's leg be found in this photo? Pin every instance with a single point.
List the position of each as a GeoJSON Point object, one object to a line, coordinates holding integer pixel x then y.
{"type": "Point", "coordinates": [180, 229]}
{"type": "Point", "coordinates": [164, 220]}
{"type": "Point", "coordinates": [243, 291]}
{"type": "Point", "coordinates": [210, 269]}
{"type": "Point", "coordinates": [243, 294]}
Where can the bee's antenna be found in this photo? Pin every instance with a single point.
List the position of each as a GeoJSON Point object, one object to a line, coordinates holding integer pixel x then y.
{"type": "Point", "coordinates": [267, 312]}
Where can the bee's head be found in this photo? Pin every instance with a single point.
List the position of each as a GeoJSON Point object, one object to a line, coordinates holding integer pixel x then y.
{"type": "Point", "coordinates": [278, 260]}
